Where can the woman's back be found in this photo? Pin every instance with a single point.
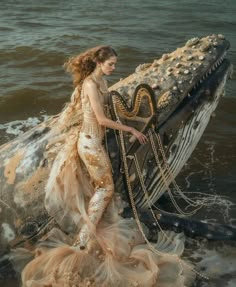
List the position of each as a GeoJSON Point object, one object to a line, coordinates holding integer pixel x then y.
{"type": "Point", "coordinates": [90, 124]}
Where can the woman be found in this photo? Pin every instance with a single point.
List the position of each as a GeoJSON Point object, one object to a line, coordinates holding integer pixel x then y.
{"type": "Point", "coordinates": [109, 250]}
{"type": "Point", "coordinates": [100, 61]}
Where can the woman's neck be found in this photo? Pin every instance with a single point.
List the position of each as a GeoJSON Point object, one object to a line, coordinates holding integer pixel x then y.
{"type": "Point", "coordinates": [98, 74]}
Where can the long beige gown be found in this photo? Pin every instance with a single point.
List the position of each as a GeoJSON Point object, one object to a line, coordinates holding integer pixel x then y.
{"type": "Point", "coordinates": [80, 195]}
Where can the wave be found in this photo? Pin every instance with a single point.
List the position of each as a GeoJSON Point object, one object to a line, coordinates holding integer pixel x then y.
{"type": "Point", "coordinates": [18, 127]}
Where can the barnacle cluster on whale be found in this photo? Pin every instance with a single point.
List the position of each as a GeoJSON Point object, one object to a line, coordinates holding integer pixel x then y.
{"type": "Point", "coordinates": [176, 75]}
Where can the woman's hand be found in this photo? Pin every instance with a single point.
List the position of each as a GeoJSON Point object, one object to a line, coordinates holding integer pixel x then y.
{"type": "Point", "coordinates": [140, 136]}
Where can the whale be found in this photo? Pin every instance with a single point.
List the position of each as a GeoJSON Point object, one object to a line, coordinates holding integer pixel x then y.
{"type": "Point", "coordinates": [171, 100]}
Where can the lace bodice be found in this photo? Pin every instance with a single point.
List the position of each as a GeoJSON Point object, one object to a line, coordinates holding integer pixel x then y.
{"type": "Point", "coordinates": [90, 124]}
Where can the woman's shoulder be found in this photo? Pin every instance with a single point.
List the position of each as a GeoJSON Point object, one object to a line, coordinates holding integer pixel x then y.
{"type": "Point", "coordinates": [89, 86]}
{"type": "Point", "coordinates": [89, 82]}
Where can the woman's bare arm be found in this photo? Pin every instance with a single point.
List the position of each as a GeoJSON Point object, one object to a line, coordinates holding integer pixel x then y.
{"type": "Point", "coordinates": [90, 89]}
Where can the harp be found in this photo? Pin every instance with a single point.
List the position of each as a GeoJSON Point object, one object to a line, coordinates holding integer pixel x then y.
{"type": "Point", "coordinates": [146, 168]}
{"type": "Point", "coordinates": [141, 114]}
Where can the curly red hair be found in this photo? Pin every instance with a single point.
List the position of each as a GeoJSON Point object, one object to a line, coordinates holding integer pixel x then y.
{"type": "Point", "coordinates": [83, 65]}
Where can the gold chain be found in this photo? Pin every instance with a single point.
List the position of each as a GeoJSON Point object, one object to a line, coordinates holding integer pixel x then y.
{"type": "Point", "coordinates": [132, 201]}
{"type": "Point", "coordinates": [178, 189]}
{"type": "Point", "coordinates": [152, 248]}
{"type": "Point", "coordinates": [165, 177]}
{"type": "Point", "coordinates": [198, 203]}
{"type": "Point", "coordinates": [126, 171]}
{"type": "Point", "coordinates": [147, 196]}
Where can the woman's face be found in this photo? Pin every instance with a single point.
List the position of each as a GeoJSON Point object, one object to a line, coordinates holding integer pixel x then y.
{"type": "Point", "coordinates": [109, 65]}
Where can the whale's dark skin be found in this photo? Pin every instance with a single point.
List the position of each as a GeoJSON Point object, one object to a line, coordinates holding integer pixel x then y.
{"type": "Point", "coordinates": [190, 227]}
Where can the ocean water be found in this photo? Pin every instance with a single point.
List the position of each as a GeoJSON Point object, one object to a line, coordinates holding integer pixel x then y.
{"type": "Point", "coordinates": [37, 37]}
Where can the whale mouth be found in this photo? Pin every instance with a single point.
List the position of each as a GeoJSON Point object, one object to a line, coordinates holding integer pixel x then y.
{"type": "Point", "coordinates": [211, 70]}
{"type": "Point", "coordinates": [213, 76]}
{"type": "Point", "coordinates": [207, 88]}
{"type": "Point", "coordinates": [204, 89]}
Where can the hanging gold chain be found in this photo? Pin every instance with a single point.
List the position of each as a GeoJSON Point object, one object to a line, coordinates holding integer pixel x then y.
{"type": "Point", "coordinates": [178, 189]}
{"type": "Point", "coordinates": [147, 197]}
{"type": "Point", "coordinates": [132, 201]}
{"type": "Point", "coordinates": [164, 177]}
{"type": "Point", "coordinates": [126, 171]}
